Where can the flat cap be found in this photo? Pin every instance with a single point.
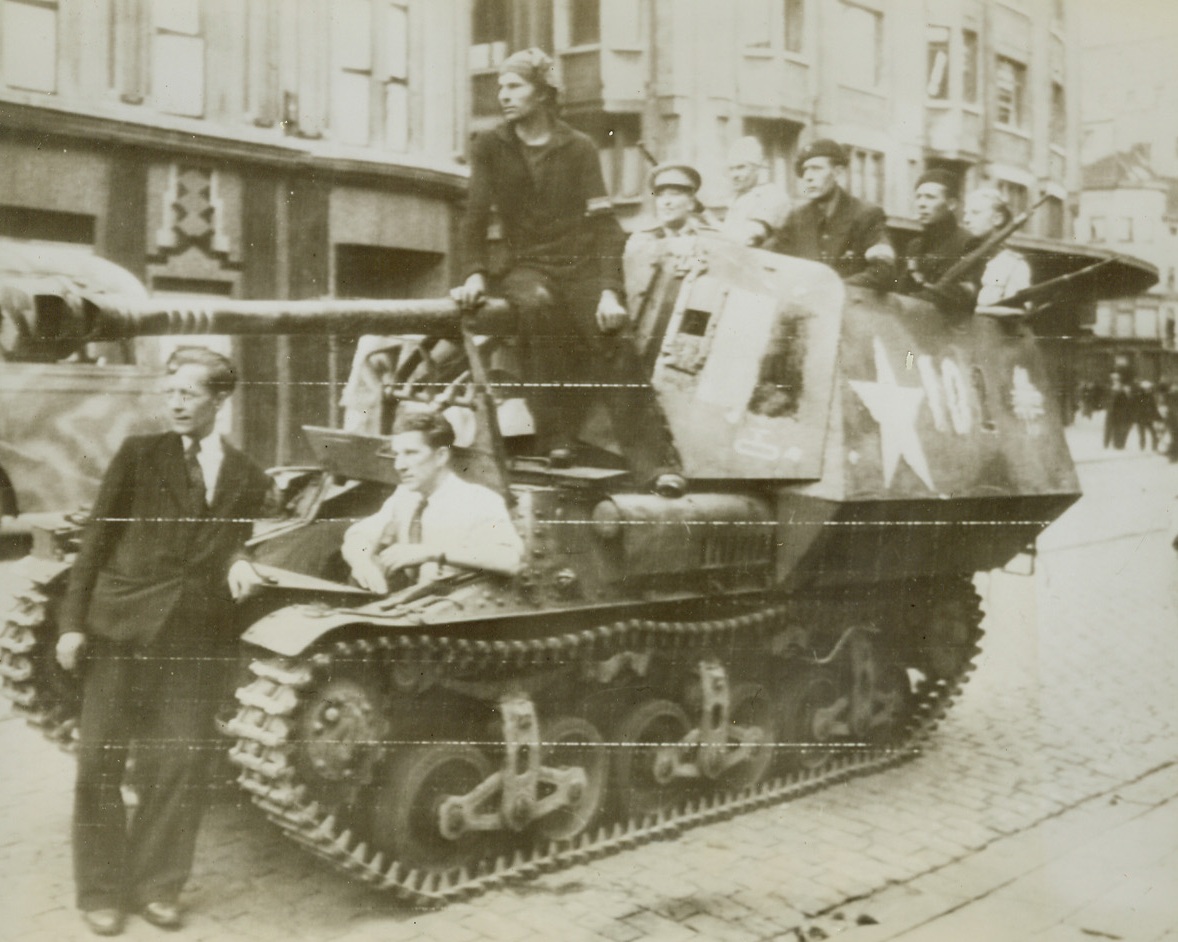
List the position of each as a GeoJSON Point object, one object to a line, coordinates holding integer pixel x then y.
{"type": "Point", "coordinates": [941, 177]}
{"type": "Point", "coordinates": [680, 175]}
{"type": "Point", "coordinates": [823, 147]}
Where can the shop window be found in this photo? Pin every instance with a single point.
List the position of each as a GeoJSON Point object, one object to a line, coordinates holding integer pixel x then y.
{"type": "Point", "coordinates": [1053, 215]}
{"type": "Point", "coordinates": [28, 44]}
{"type": "Point", "coordinates": [937, 78]}
{"type": "Point", "coordinates": [866, 175]}
{"type": "Point", "coordinates": [178, 57]}
{"type": "Point", "coordinates": [861, 36]}
{"type": "Point", "coordinates": [1010, 82]}
{"type": "Point", "coordinates": [1123, 231]}
{"type": "Point", "coordinates": [1015, 194]}
{"type": "Point", "coordinates": [1098, 229]}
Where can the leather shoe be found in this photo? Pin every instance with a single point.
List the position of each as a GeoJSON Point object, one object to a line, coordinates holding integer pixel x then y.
{"type": "Point", "coordinates": [162, 915]}
{"type": "Point", "coordinates": [104, 921]}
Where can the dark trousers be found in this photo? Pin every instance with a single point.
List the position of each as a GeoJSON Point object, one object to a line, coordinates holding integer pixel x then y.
{"type": "Point", "coordinates": [162, 698]}
{"type": "Point", "coordinates": [568, 363]}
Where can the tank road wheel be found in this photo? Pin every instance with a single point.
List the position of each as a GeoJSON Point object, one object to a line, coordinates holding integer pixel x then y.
{"type": "Point", "coordinates": [751, 708]}
{"type": "Point", "coordinates": [570, 742]}
{"type": "Point", "coordinates": [405, 821]}
{"type": "Point", "coordinates": [811, 711]}
{"type": "Point", "coordinates": [644, 762]}
{"type": "Point", "coordinates": [340, 731]}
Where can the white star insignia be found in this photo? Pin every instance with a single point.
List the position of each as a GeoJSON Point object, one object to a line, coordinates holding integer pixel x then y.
{"type": "Point", "coordinates": [895, 408]}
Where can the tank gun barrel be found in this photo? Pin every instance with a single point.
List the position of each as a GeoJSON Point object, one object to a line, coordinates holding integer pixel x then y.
{"type": "Point", "coordinates": [67, 318]}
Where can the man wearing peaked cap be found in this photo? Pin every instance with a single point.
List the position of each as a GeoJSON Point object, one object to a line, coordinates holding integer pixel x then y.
{"type": "Point", "coordinates": [834, 227]}
{"type": "Point", "coordinates": [563, 276]}
{"type": "Point", "coordinates": [675, 187]}
{"type": "Point", "coordinates": [941, 243]}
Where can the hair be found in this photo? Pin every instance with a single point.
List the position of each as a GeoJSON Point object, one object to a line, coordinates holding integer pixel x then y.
{"type": "Point", "coordinates": [997, 202]}
{"type": "Point", "coordinates": [434, 427]}
{"type": "Point", "coordinates": [222, 373]}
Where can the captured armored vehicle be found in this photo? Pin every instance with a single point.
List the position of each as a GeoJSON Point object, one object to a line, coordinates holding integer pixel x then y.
{"type": "Point", "coordinates": [803, 613]}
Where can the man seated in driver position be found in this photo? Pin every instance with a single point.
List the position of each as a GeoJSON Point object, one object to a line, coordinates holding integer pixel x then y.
{"type": "Point", "coordinates": [434, 521]}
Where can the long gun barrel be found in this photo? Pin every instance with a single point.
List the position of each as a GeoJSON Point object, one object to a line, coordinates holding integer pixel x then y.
{"type": "Point", "coordinates": [65, 319]}
{"type": "Point", "coordinates": [995, 239]}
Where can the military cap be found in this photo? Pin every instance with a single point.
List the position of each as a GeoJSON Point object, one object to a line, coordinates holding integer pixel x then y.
{"type": "Point", "coordinates": [823, 147]}
{"type": "Point", "coordinates": [680, 175]}
{"type": "Point", "coordinates": [941, 178]}
{"type": "Point", "coordinates": [533, 65]}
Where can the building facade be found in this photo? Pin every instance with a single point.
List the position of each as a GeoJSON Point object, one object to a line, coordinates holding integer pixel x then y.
{"type": "Point", "coordinates": [978, 86]}
{"type": "Point", "coordinates": [1129, 208]}
{"type": "Point", "coordinates": [242, 148]}
{"type": "Point", "coordinates": [308, 148]}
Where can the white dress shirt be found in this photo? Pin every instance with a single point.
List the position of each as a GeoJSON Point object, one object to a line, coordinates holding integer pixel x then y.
{"type": "Point", "coordinates": [459, 517]}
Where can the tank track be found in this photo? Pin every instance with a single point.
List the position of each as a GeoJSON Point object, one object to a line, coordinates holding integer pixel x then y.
{"type": "Point", "coordinates": [265, 750]}
{"type": "Point", "coordinates": [48, 697]}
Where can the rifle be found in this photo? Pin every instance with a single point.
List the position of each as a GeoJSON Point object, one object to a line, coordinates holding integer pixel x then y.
{"type": "Point", "coordinates": [1019, 298]}
{"type": "Point", "coordinates": [992, 241]}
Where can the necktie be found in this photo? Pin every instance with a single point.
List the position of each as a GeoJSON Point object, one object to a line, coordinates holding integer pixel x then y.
{"type": "Point", "coordinates": [196, 478]}
{"type": "Point", "coordinates": [413, 535]}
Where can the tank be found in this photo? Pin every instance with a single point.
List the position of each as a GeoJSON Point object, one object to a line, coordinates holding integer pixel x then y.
{"type": "Point", "coordinates": [805, 612]}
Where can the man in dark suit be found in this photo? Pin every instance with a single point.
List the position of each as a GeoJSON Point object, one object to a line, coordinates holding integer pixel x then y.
{"type": "Point", "coordinates": [148, 619]}
{"type": "Point", "coordinates": [834, 227]}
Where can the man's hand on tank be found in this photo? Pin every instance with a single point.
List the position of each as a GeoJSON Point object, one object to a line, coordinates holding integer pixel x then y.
{"type": "Point", "coordinates": [371, 578]}
{"type": "Point", "coordinates": [471, 293]}
{"type": "Point", "coordinates": [405, 555]}
{"type": "Point", "coordinates": [611, 313]}
{"type": "Point", "coordinates": [69, 649]}
{"type": "Point", "coordinates": [245, 580]}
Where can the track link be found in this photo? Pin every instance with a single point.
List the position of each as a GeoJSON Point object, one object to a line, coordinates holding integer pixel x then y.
{"type": "Point", "coordinates": [47, 696]}
{"type": "Point", "coordinates": [265, 750]}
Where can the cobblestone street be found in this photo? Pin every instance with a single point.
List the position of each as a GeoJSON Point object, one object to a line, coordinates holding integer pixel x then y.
{"type": "Point", "coordinates": [1070, 713]}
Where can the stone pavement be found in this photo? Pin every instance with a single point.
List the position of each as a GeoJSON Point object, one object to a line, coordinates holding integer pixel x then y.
{"type": "Point", "coordinates": [1067, 732]}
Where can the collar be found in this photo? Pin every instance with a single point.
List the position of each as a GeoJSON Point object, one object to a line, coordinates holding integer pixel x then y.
{"type": "Point", "coordinates": [827, 208]}
{"type": "Point", "coordinates": [561, 134]}
{"type": "Point", "coordinates": [211, 446]}
{"type": "Point", "coordinates": [942, 228]}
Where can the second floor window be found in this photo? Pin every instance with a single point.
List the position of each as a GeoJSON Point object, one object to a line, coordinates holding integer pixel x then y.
{"type": "Point", "coordinates": [775, 25]}
{"type": "Point", "coordinates": [1059, 114]}
{"type": "Point", "coordinates": [584, 22]}
{"type": "Point", "coordinates": [1010, 82]}
{"type": "Point", "coordinates": [28, 33]}
{"type": "Point", "coordinates": [969, 66]}
{"type": "Point", "coordinates": [370, 73]}
{"type": "Point", "coordinates": [178, 57]}
{"type": "Point", "coordinates": [490, 32]}
{"type": "Point", "coordinates": [862, 41]}
{"type": "Point", "coordinates": [937, 82]}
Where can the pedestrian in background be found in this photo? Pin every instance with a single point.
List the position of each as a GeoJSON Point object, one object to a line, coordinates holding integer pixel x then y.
{"type": "Point", "coordinates": [148, 622]}
{"type": "Point", "coordinates": [1118, 415]}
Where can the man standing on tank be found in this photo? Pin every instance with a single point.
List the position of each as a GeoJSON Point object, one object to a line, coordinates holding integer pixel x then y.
{"type": "Point", "coordinates": [564, 278]}
{"type": "Point", "coordinates": [148, 621]}
{"type": "Point", "coordinates": [834, 227]}
{"type": "Point", "coordinates": [941, 244]}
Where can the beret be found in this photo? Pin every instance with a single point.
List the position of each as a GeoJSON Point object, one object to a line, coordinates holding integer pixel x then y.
{"type": "Point", "coordinates": [823, 147]}
{"type": "Point", "coordinates": [682, 175]}
{"type": "Point", "coordinates": [941, 177]}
